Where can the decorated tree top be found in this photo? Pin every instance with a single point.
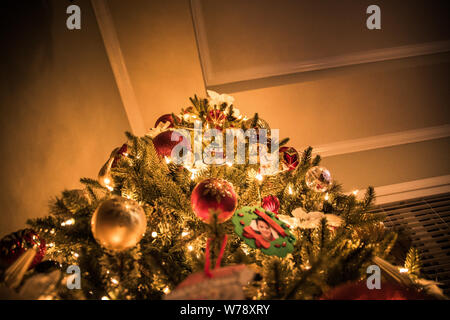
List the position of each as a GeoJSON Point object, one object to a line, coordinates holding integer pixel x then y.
{"type": "Point", "coordinates": [210, 194]}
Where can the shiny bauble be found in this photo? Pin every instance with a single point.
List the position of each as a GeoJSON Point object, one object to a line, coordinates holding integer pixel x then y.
{"type": "Point", "coordinates": [166, 118]}
{"type": "Point", "coordinates": [216, 118]}
{"type": "Point", "coordinates": [214, 197]}
{"type": "Point", "coordinates": [166, 141]}
{"type": "Point", "coordinates": [118, 223]}
{"type": "Point", "coordinates": [15, 244]}
{"type": "Point", "coordinates": [289, 158]}
{"type": "Point", "coordinates": [318, 179]}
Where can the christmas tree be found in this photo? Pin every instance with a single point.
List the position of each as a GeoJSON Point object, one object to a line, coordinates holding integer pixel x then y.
{"type": "Point", "coordinates": [163, 221]}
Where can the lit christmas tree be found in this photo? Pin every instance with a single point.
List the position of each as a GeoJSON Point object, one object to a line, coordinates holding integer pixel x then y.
{"type": "Point", "coordinates": [164, 221]}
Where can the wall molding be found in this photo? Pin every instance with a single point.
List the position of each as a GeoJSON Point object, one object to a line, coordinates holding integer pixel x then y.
{"type": "Point", "coordinates": [382, 141]}
{"type": "Point", "coordinates": [412, 189]}
{"type": "Point", "coordinates": [115, 56]}
{"type": "Point", "coordinates": [213, 78]}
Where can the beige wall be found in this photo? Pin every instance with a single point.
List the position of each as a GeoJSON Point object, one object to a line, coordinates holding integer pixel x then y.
{"type": "Point", "coordinates": [61, 114]}
{"type": "Point", "coordinates": [312, 108]}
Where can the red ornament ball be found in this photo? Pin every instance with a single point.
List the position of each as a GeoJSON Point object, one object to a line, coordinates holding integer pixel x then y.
{"type": "Point", "coordinates": [359, 291]}
{"type": "Point", "coordinates": [214, 196]}
{"type": "Point", "coordinates": [166, 141]}
{"type": "Point", "coordinates": [15, 244]}
{"type": "Point", "coordinates": [166, 118]}
{"type": "Point", "coordinates": [271, 203]}
{"type": "Point", "coordinates": [289, 158]}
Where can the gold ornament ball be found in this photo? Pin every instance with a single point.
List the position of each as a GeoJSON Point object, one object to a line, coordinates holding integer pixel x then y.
{"type": "Point", "coordinates": [118, 223]}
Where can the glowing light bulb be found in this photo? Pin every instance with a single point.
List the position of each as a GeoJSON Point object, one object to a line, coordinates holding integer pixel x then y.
{"type": "Point", "coordinates": [105, 298]}
{"type": "Point", "coordinates": [403, 270]}
{"type": "Point", "coordinates": [154, 234]}
{"type": "Point", "coordinates": [107, 181]}
{"type": "Point", "coordinates": [184, 233]}
{"type": "Point", "coordinates": [190, 248]}
{"type": "Point", "coordinates": [166, 290]}
{"type": "Point", "coordinates": [259, 177]}
{"type": "Point", "coordinates": [290, 190]}
{"type": "Point", "coordinates": [229, 164]}
{"type": "Point", "coordinates": [109, 188]}
{"type": "Point", "coordinates": [167, 159]}
{"type": "Point", "coordinates": [355, 192]}
{"type": "Point", "coordinates": [114, 281]}
{"type": "Point", "coordinates": [326, 197]}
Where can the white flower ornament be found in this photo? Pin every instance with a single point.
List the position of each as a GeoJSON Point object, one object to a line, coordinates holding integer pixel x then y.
{"type": "Point", "coordinates": [218, 99]}
{"type": "Point", "coordinates": [311, 220]}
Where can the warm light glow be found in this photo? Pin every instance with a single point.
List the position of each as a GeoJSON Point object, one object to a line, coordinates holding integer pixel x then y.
{"type": "Point", "coordinates": [68, 222]}
{"type": "Point", "coordinates": [190, 248]}
{"type": "Point", "coordinates": [184, 233]}
{"type": "Point", "coordinates": [403, 270]}
{"type": "Point", "coordinates": [105, 298]}
{"type": "Point", "coordinates": [154, 234]}
{"type": "Point", "coordinates": [166, 290]}
{"type": "Point", "coordinates": [167, 159]}
{"type": "Point", "coordinates": [229, 164]}
{"type": "Point", "coordinates": [259, 177]}
{"type": "Point", "coordinates": [107, 181]}
{"type": "Point", "coordinates": [355, 192]}
{"type": "Point", "coordinates": [52, 231]}
{"type": "Point", "coordinates": [76, 255]}
{"type": "Point", "coordinates": [326, 197]}
{"type": "Point", "coordinates": [51, 245]}
{"type": "Point", "coordinates": [114, 281]}
{"type": "Point", "coordinates": [109, 188]}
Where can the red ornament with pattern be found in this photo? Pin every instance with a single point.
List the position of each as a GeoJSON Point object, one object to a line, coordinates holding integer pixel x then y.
{"type": "Point", "coordinates": [214, 196]}
{"type": "Point", "coordinates": [271, 203]}
{"type": "Point", "coordinates": [216, 118]}
{"type": "Point", "coordinates": [289, 158]}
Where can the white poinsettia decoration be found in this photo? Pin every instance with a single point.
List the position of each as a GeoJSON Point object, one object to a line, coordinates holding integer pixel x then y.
{"type": "Point", "coordinates": [218, 99]}
{"type": "Point", "coordinates": [311, 220]}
